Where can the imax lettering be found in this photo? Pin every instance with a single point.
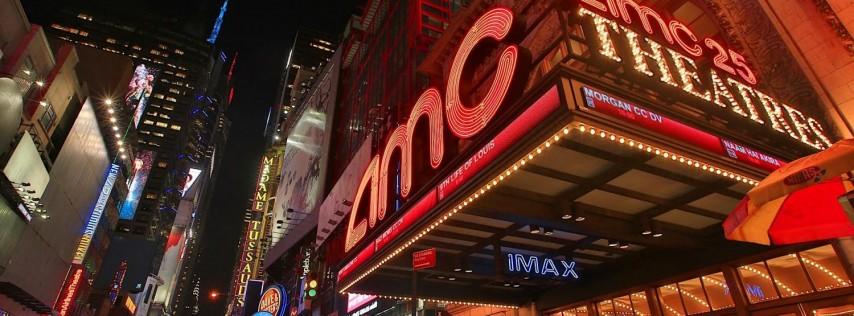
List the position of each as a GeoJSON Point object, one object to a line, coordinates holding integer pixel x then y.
{"type": "Point", "coordinates": [465, 119]}
{"type": "Point", "coordinates": [540, 267]}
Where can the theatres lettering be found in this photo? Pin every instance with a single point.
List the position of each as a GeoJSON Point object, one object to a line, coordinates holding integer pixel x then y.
{"type": "Point", "coordinates": [672, 68]}
{"type": "Point", "coordinates": [464, 119]}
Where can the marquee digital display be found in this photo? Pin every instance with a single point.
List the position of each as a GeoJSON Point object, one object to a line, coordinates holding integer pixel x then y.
{"type": "Point", "coordinates": [601, 102]}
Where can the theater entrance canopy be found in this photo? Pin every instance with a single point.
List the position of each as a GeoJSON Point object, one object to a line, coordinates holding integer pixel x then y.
{"type": "Point", "coordinates": [613, 164]}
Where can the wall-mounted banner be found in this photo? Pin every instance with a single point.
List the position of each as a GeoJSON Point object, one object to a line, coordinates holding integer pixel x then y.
{"type": "Point", "coordinates": [540, 267]}
{"type": "Point", "coordinates": [274, 301]}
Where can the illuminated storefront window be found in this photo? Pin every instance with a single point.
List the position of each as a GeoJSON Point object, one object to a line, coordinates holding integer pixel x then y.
{"type": "Point", "coordinates": [717, 291]}
{"type": "Point", "coordinates": [817, 269]}
{"type": "Point", "coordinates": [576, 311]}
{"type": "Point", "coordinates": [671, 302]}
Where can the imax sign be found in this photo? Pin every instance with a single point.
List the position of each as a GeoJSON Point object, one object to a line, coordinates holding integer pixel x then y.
{"type": "Point", "coordinates": [541, 267]}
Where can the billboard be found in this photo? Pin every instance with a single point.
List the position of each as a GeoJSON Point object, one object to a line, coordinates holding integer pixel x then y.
{"type": "Point", "coordinates": [141, 168]}
{"type": "Point", "coordinates": [139, 90]}
{"type": "Point", "coordinates": [307, 148]}
{"type": "Point", "coordinates": [192, 175]}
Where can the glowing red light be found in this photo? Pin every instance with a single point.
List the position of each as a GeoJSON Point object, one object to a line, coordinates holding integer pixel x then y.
{"type": "Point", "coordinates": [466, 121]}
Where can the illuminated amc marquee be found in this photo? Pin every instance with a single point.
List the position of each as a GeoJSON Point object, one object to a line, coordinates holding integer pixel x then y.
{"type": "Point", "coordinates": [621, 37]}
{"type": "Point", "coordinates": [257, 227]}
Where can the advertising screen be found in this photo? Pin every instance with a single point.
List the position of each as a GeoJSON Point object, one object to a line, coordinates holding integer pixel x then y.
{"type": "Point", "coordinates": [139, 90]}
{"type": "Point", "coordinates": [306, 151]}
{"type": "Point", "coordinates": [142, 166]}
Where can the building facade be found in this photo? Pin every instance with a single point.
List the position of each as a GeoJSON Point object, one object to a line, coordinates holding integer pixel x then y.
{"type": "Point", "coordinates": [58, 154]}
{"type": "Point", "coordinates": [574, 158]}
{"type": "Point", "coordinates": [177, 97]}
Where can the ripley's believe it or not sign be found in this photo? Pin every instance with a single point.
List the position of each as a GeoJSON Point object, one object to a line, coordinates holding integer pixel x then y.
{"type": "Point", "coordinates": [615, 44]}
{"type": "Point", "coordinates": [251, 253]}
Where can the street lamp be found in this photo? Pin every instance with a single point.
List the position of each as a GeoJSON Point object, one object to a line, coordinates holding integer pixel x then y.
{"type": "Point", "coordinates": [214, 295]}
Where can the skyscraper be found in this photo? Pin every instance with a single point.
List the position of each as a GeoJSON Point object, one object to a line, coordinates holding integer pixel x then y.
{"type": "Point", "coordinates": [176, 99]}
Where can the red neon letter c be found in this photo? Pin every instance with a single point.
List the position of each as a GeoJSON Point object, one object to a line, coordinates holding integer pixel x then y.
{"type": "Point", "coordinates": [465, 121]}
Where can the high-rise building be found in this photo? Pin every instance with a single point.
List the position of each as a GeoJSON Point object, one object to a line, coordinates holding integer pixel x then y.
{"type": "Point", "coordinates": [308, 54]}
{"type": "Point", "coordinates": [63, 171]}
{"type": "Point", "coordinates": [174, 100]}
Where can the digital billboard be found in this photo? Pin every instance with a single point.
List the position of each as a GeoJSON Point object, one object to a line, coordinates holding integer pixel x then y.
{"type": "Point", "coordinates": [142, 166]}
{"type": "Point", "coordinates": [192, 175]}
{"type": "Point", "coordinates": [307, 148]}
{"type": "Point", "coordinates": [139, 90]}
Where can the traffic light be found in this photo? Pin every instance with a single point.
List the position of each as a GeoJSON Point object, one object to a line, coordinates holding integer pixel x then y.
{"type": "Point", "coordinates": [312, 288]}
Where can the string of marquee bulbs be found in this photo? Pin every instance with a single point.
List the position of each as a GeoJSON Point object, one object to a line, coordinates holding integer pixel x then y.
{"type": "Point", "coordinates": [565, 132]}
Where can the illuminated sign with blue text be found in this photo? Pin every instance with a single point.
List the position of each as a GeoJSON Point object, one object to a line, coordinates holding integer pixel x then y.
{"type": "Point", "coordinates": [95, 217]}
{"type": "Point", "coordinates": [541, 267]}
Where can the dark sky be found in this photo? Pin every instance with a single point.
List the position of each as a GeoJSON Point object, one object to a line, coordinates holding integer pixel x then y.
{"type": "Point", "coordinates": [261, 32]}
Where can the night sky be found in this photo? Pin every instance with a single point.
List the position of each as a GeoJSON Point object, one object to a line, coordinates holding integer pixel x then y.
{"type": "Point", "coordinates": [261, 33]}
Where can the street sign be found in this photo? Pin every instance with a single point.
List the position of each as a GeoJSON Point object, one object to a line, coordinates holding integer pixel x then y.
{"type": "Point", "coordinates": [424, 259]}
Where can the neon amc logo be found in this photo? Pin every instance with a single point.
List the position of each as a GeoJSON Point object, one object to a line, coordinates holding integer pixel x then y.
{"type": "Point", "coordinates": [465, 119]}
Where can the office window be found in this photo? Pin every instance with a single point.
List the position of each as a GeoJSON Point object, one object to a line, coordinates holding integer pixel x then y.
{"type": "Point", "coordinates": [176, 127]}
{"type": "Point", "coordinates": [148, 122]}
{"type": "Point", "coordinates": [161, 124]}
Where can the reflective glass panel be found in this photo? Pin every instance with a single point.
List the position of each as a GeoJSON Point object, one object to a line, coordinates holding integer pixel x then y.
{"type": "Point", "coordinates": [671, 303]}
{"type": "Point", "coordinates": [717, 291]}
{"type": "Point", "coordinates": [623, 306]}
{"type": "Point", "coordinates": [757, 282]}
{"type": "Point", "coordinates": [789, 276]}
{"type": "Point", "coordinates": [824, 268]}
{"type": "Point", "coordinates": [693, 297]}
{"type": "Point", "coordinates": [606, 308]}
{"type": "Point", "coordinates": [640, 304]}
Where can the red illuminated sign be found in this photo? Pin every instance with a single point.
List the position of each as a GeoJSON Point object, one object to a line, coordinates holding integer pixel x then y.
{"type": "Point", "coordinates": [70, 290]}
{"type": "Point", "coordinates": [545, 106]}
{"type": "Point", "coordinates": [617, 45]}
{"type": "Point", "coordinates": [628, 112]}
{"type": "Point", "coordinates": [465, 119]}
{"type": "Point", "coordinates": [424, 259]}
{"type": "Point", "coordinates": [675, 32]}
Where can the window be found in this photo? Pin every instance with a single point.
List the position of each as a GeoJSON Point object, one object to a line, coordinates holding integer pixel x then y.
{"type": "Point", "coordinates": [162, 164]}
{"type": "Point", "coordinates": [817, 269]}
{"type": "Point", "coordinates": [171, 99]}
{"type": "Point", "coordinates": [175, 91]}
{"type": "Point", "coordinates": [824, 268]}
{"type": "Point", "coordinates": [158, 134]}
{"type": "Point", "coordinates": [164, 116]}
{"type": "Point", "coordinates": [148, 122]}
{"type": "Point", "coordinates": [161, 124]}
{"type": "Point", "coordinates": [577, 311]}
{"type": "Point", "coordinates": [175, 127]}
{"type": "Point", "coordinates": [757, 282]}
{"type": "Point", "coordinates": [48, 117]}
{"type": "Point", "coordinates": [180, 75]}
{"type": "Point", "coordinates": [168, 107]}
{"type": "Point", "coordinates": [158, 95]}
{"type": "Point", "coordinates": [717, 291]}
{"type": "Point", "coordinates": [111, 40]}
{"type": "Point", "coordinates": [151, 196]}
{"type": "Point", "coordinates": [671, 303]}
